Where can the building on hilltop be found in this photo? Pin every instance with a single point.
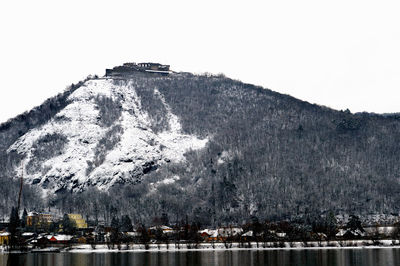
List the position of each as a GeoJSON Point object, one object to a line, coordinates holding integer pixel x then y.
{"type": "Point", "coordinates": [151, 67]}
{"type": "Point", "coordinates": [128, 69]}
{"type": "Point", "coordinates": [78, 220]}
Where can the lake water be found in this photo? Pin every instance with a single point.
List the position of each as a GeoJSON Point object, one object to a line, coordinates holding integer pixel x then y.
{"type": "Point", "coordinates": [322, 257]}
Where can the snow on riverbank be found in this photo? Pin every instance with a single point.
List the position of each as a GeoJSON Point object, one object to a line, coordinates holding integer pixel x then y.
{"type": "Point", "coordinates": [349, 244]}
{"type": "Point", "coordinates": [172, 247]}
{"type": "Point", "coordinates": [184, 247]}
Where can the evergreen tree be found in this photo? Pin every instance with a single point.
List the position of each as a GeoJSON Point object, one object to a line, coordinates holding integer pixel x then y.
{"type": "Point", "coordinates": [115, 223]}
{"type": "Point", "coordinates": [331, 225]}
{"type": "Point", "coordinates": [126, 224]}
{"type": "Point", "coordinates": [14, 224]}
{"type": "Point", "coordinates": [14, 218]}
{"type": "Point", "coordinates": [23, 220]}
{"type": "Point", "coordinates": [68, 225]}
{"type": "Point", "coordinates": [115, 230]}
{"type": "Point", "coordinates": [53, 227]}
{"type": "Point", "coordinates": [354, 223]}
{"type": "Point", "coordinates": [164, 219]}
{"type": "Point", "coordinates": [144, 236]}
{"type": "Point", "coordinates": [256, 226]}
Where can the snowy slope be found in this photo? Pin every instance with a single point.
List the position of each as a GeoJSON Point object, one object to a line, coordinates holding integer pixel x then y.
{"type": "Point", "coordinates": [138, 150]}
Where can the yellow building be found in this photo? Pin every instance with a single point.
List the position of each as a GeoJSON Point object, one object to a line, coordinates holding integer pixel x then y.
{"type": "Point", "coordinates": [4, 238]}
{"type": "Point", "coordinates": [78, 220]}
{"type": "Point", "coordinates": [39, 219]}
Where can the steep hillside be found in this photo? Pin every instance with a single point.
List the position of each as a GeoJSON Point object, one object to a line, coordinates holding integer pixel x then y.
{"type": "Point", "coordinates": [100, 138]}
{"type": "Point", "coordinates": [209, 147]}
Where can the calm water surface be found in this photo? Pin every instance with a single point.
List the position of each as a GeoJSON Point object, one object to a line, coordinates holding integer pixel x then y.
{"type": "Point", "coordinates": [326, 257]}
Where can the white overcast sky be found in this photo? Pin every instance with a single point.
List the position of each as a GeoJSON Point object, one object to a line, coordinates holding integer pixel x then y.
{"type": "Point", "coordinates": [341, 54]}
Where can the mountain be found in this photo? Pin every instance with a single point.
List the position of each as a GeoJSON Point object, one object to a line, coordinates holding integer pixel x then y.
{"type": "Point", "coordinates": [205, 146]}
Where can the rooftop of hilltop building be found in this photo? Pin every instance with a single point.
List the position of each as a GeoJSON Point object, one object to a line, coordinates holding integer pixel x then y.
{"type": "Point", "coordinates": [128, 69]}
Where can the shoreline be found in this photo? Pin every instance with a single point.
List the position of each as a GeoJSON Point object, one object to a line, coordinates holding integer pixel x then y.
{"type": "Point", "coordinates": [234, 246]}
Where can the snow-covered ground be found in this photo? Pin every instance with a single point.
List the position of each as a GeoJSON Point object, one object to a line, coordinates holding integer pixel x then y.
{"type": "Point", "coordinates": [241, 246]}
{"type": "Point", "coordinates": [182, 247]}
{"type": "Point", "coordinates": [79, 123]}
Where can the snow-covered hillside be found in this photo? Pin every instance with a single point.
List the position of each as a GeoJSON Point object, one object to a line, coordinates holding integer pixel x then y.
{"type": "Point", "coordinates": [255, 152]}
{"type": "Point", "coordinates": [134, 150]}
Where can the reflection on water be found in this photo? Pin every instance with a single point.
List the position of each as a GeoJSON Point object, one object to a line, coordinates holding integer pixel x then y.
{"type": "Point", "coordinates": [324, 257]}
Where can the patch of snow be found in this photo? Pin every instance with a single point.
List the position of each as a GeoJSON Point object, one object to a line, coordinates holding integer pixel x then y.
{"type": "Point", "coordinates": [171, 180]}
{"type": "Point", "coordinates": [225, 156]}
{"type": "Point", "coordinates": [79, 123]}
{"type": "Point", "coordinates": [166, 181]}
{"type": "Point", "coordinates": [177, 142]}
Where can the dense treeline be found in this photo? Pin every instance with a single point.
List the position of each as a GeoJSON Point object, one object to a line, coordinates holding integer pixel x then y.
{"type": "Point", "coordinates": [9, 189]}
{"type": "Point", "coordinates": [274, 156]}
{"type": "Point", "coordinates": [269, 155]}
